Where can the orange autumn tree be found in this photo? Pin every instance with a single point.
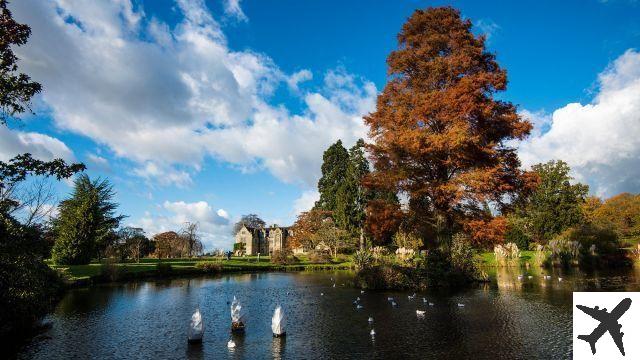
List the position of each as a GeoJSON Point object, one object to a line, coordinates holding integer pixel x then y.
{"type": "Point", "coordinates": [306, 227]}
{"type": "Point", "coordinates": [440, 139]}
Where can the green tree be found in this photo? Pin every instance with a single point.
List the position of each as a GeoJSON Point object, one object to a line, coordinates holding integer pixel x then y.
{"type": "Point", "coordinates": [352, 196]}
{"type": "Point", "coordinates": [86, 222]}
{"type": "Point", "coordinates": [250, 220]}
{"type": "Point", "coordinates": [556, 204]}
{"type": "Point", "coordinates": [28, 285]}
{"type": "Point", "coordinates": [334, 173]}
{"type": "Point", "coordinates": [16, 89]}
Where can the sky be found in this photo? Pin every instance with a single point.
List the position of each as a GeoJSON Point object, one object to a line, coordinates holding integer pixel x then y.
{"type": "Point", "coordinates": [207, 110]}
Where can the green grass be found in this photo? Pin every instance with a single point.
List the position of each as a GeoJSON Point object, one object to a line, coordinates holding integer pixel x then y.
{"type": "Point", "coordinates": [188, 265]}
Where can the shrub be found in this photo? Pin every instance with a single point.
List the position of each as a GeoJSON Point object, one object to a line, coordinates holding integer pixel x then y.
{"type": "Point", "coordinates": [362, 259]}
{"type": "Point", "coordinates": [319, 257]}
{"type": "Point", "coordinates": [282, 258]}
{"type": "Point", "coordinates": [164, 268]}
{"type": "Point", "coordinates": [389, 277]}
{"type": "Point", "coordinates": [463, 257]}
{"type": "Point", "coordinates": [516, 233]}
{"type": "Point", "coordinates": [209, 266]}
{"type": "Point", "coordinates": [111, 271]}
{"type": "Point", "coordinates": [507, 253]}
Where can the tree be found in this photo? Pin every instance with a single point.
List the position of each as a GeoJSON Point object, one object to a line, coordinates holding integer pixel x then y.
{"type": "Point", "coordinates": [487, 232]}
{"type": "Point", "coordinates": [620, 213]}
{"type": "Point", "coordinates": [330, 235]}
{"type": "Point", "coordinates": [16, 89]}
{"type": "Point", "coordinates": [29, 286]}
{"type": "Point", "coordinates": [407, 240]}
{"type": "Point", "coordinates": [306, 227]}
{"type": "Point", "coordinates": [439, 136]}
{"type": "Point", "coordinates": [334, 172]}
{"type": "Point", "coordinates": [86, 222]}
{"type": "Point", "coordinates": [134, 241]}
{"type": "Point", "coordinates": [250, 220]}
{"type": "Point", "coordinates": [352, 196]}
{"type": "Point", "coordinates": [556, 204]}
{"type": "Point", "coordinates": [191, 236]}
{"type": "Point", "coordinates": [168, 245]}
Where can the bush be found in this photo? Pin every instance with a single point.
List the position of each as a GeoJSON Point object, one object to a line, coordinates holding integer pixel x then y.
{"type": "Point", "coordinates": [463, 257]}
{"type": "Point", "coordinates": [319, 257]}
{"type": "Point", "coordinates": [394, 277]}
{"type": "Point", "coordinates": [164, 268]}
{"type": "Point", "coordinates": [587, 244]}
{"type": "Point", "coordinates": [516, 233]}
{"type": "Point", "coordinates": [111, 271]}
{"type": "Point", "coordinates": [282, 258]}
{"type": "Point", "coordinates": [210, 266]}
{"type": "Point", "coordinates": [362, 259]}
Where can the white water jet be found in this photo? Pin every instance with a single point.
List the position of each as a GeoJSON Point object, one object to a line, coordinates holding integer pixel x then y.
{"type": "Point", "coordinates": [277, 322]}
{"type": "Point", "coordinates": [231, 344]}
{"type": "Point", "coordinates": [236, 316]}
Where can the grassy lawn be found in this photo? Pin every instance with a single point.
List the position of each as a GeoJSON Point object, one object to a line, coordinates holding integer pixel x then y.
{"type": "Point", "coordinates": [248, 263]}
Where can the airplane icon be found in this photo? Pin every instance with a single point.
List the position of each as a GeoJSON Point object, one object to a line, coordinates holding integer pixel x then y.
{"type": "Point", "coordinates": [608, 322]}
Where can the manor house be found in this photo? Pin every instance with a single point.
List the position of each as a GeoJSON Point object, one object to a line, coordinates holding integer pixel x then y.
{"type": "Point", "coordinates": [263, 240]}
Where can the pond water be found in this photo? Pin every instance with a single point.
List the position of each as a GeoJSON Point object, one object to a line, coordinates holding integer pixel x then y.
{"type": "Point", "coordinates": [508, 318]}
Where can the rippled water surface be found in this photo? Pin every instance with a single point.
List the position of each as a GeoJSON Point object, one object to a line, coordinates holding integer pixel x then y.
{"type": "Point", "coordinates": [509, 318]}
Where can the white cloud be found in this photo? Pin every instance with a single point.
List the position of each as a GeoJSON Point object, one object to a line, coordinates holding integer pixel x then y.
{"type": "Point", "coordinates": [43, 147]}
{"type": "Point", "coordinates": [306, 201]}
{"type": "Point", "coordinates": [167, 97]}
{"type": "Point", "coordinates": [232, 8]}
{"type": "Point", "coordinates": [214, 226]}
{"type": "Point", "coordinates": [487, 27]}
{"type": "Point", "coordinates": [600, 140]}
{"type": "Point", "coordinates": [297, 78]}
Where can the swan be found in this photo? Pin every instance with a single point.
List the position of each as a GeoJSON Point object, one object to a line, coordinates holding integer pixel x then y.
{"type": "Point", "coordinates": [361, 291]}
{"type": "Point", "coordinates": [231, 344]}
{"type": "Point", "coordinates": [420, 312]}
{"type": "Point", "coordinates": [393, 303]}
{"type": "Point", "coordinates": [389, 299]}
{"type": "Point", "coordinates": [370, 319]}
{"type": "Point", "coordinates": [424, 300]}
{"type": "Point", "coordinates": [321, 294]}
{"type": "Point", "coordinates": [359, 306]}
{"type": "Point", "coordinates": [460, 305]}
{"type": "Point", "coordinates": [373, 332]}
{"type": "Point", "coordinates": [431, 304]}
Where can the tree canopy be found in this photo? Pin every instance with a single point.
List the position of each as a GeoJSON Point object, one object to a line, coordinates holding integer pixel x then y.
{"type": "Point", "coordinates": [249, 220]}
{"type": "Point", "coordinates": [335, 161]}
{"type": "Point", "coordinates": [86, 222]}
{"type": "Point", "coordinates": [440, 137]}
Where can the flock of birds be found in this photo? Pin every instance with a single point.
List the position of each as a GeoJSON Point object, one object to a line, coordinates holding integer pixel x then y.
{"type": "Point", "coordinates": [546, 277]}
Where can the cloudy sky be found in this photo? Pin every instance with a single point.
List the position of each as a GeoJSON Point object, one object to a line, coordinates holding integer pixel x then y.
{"type": "Point", "coordinates": [204, 111]}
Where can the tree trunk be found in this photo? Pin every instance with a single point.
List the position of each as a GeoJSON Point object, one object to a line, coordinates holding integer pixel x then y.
{"type": "Point", "coordinates": [362, 244]}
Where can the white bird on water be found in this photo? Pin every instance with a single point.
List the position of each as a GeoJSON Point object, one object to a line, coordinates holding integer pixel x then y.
{"type": "Point", "coordinates": [424, 300]}
{"type": "Point", "coordinates": [321, 294]}
{"type": "Point", "coordinates": [431, 304]}
{"type": "Point", "coordinates": [361, 291]}
{"type": "Point", "coordinates": [358, 298]}
{"type": "Point", "coordinates": [393, 303]}
{"type": "Point", "coordinates": [370, 319]}
{"type": "Point", "coordinates": [420, 313]}
{"type": "Point", "coordinates": [359, 306]}
{"type": "Point", "coordinates": [231, 344]}
{"type": "Point", "coordinates": [373, 332]}
{"type": "Point", "coordinates": [389, 299]}
{"type": "Point", "coordinates": [460, 305]}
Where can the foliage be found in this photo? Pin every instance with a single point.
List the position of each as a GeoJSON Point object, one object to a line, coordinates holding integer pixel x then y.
{"type": "Point", "coordinates": [86, 222]}
{"type": "Point", "coordinates": [137, 245]}
{"type": "Point", "coordinates": [592, 238]}
{"type": "Point", "coordinates": [352, 196]}
{"type": "Point", "coordinates": [16, 89]}
{"type": "Point", "coordinates": [556, 204]}
{"type": "Point", "coordinates": [362, 259]}
{"type": "Point", "coordinates": [516, 232]}
{"type": "Point", "coordinates": [620, 213]}
{"type": "Point", "coordinates": [439, 136]}
{"type": "Point", "coordinates": [251, 221]}
{"type": "Point", "coordinates": [334, 172]}
{"type": "Point", "coordinates": [383, 220]}
{"type": "Point", "coordinates": [319, 257]}
{"type": "Point", "coordinates": [485, 233]}
{"type": "Point", "coordinates": [506, 253]}
{"type": "Point", "coordinates": [164, 268]}
{"type": "Point", "coordinates": [282, 258]}
{"type": "Point", "coordinates": [463, 257]}
{"type": "Point", "coordinates": [407, 240]}
{"type": "Point", "coordinates": [168, 245]}
{"type": "Point", "coordinates": [238, 247]}
{"type": "Point", "coordinates": [210, 266]}
{"type": "Point", "coordinates": [305, 229]}
{"type": "Point", "coordinates": [563, 251]}
{"type": "Point", "coordinates": [333, 237]}
{"type": "Point", "coordinates": [29, 286]}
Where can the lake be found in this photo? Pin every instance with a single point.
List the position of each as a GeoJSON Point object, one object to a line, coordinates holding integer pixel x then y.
{"type": "Point", "coordinates": [505, 319]}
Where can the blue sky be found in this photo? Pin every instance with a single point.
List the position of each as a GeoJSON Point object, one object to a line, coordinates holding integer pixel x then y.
{"type": "Point", "coordinates": [207, 111]}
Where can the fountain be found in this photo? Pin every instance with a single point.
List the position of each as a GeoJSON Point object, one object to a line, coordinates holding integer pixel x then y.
{"type": "Point", "coordinates": [277, 322]}
{"type": "Point", "coordinates": [236, 318]}
{"type": "Point", "coordinates": [196, 328]}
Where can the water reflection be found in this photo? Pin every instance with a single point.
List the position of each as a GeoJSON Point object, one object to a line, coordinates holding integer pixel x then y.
{"type": "Point", "coordinates": [520, 313]}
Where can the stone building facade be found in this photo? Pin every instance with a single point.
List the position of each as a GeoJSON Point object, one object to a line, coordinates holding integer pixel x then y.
{"type": "Point", "coordinates": [263, 240]}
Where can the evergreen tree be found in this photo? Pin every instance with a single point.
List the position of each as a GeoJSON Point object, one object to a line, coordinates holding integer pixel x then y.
{"type": "Point", "coordinates": [86, 222]}
{"type": "Point", "coordinates": [352, 197]}
{"type": "Point", "coordinates": [334, 172]}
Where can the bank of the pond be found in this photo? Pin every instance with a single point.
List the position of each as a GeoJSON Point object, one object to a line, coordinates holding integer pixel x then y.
{"type": "Point", "coordinates": [102, 272]}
